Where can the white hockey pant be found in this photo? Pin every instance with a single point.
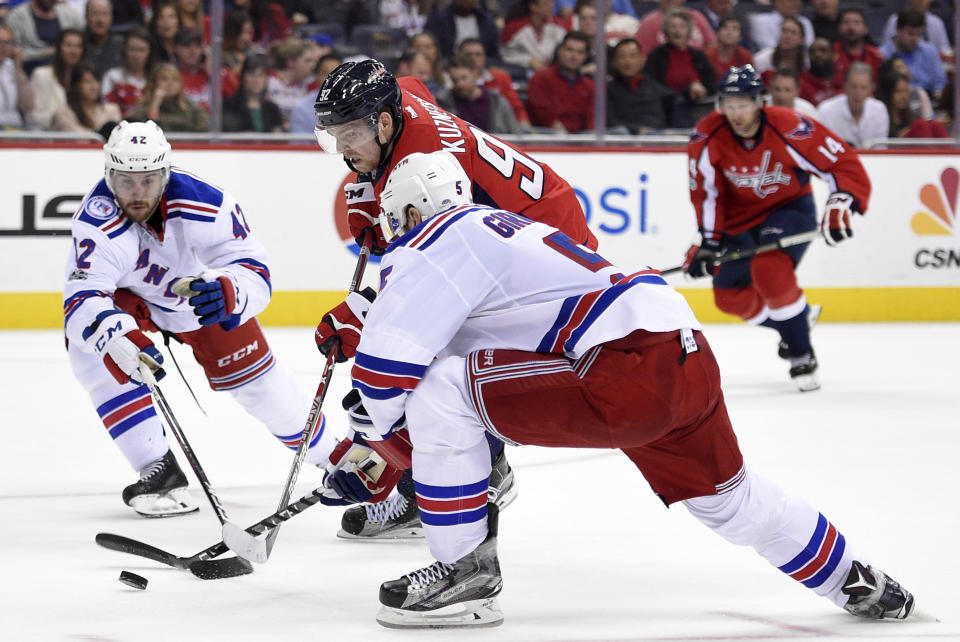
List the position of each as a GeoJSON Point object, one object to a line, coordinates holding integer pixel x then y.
{"type": "Point", "coordinates": [784, 529]}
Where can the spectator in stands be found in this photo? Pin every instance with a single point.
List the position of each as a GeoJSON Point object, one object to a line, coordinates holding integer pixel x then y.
{"type": "Point", "coordinates": [820, 81]}
{"type": "Point", "coordinates": [852, 45]}
{"type": "Point", "coordinates": [765, 27]}
{"type": "Point", "coordinates": [461, 20]}
{"type": "Point", "coordinates": [4, 11]}
{"type": "Point", "coordinates": [85, 109]}
{"type": "Point", "coordinates": [919, 98]}
{"type": "Point", "coordinates": [16, 94]}
{"type": "Point", "coordinates": [494, 79]}
{"type": "Point", "coordinates": [567, 8]}
{"type": "Point", "coordinates": [164, 27]}
{"type": "Point", "coordinates": [790, 50]}
{"type": "Point", "coordinates": [191, 17]}
{"type": "Point", "coordinates": [426, 43]}
{"type": "Point", "coordinates": [192, 65]}
{"type": "Point", "coordinates": [249, 110]}
{"type": "Point", "coordinates": [270, 21]}
{"type": "Point", "coordinates": [934, 31]}
{"type": "Point", "coordinates": [409, 15]}
{"type": "Point", "coordinates": [651, 33]}
{"type": "Point", "coordinates": [784, 91]}
{"type": "Point", "coordinates": [128, 12]}
{"type": "Point", "coordinates": [51, 82]}
{"type": "Point", "coordinates": [617, 26]}
{"type": "Point", "coordinates": [635, 101]}
{"type": "Point", "coordinates": [531, 34]}
{"type": "Point", "coordinates": [906, 121]}
{"type": "Point", "coordinates": [123, 85]}
{"type": "Point", "coordinates": [104, 49]}
{"type": "Point", "coordinates": [488, 110]}
{"type": "Point", "coordinates": [303, 120]}
{"type": "Point", "coordinates": [237, 40]}
{"type": "Point", "coordinates": [921, 57]}
{"type": "Point", "coordinates": [682, 68]}
{"type": "Point", "coordinates": [296, 76]}
{"type": "Point", "coordinates": [856, 115]}
{"type": "Point", "coordinates": [37, 25]}
{"type": "Point", "coordinates": [560, 97]}
{"type": "Point", "coordinates": [715, 11]}
{"type": "Point", "coordinates": [414, 62]}
{"type": "Point", "coordinates": [826, 19]}
{"type": "Point", "coordinates": [165, 103]}
{"type": "Point", "coordinates": [729, 52]}
{"type": "Point", "coordinates": [945, 107]}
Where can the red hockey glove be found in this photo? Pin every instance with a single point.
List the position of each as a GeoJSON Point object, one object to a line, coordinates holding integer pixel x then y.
{"type": "Point", "coordinates": [836, 225]}
{"type": "Point", "coordinates": [363, 211]}
{"type": "Point", "coordinates": [341, 326]}
{"type": "Point", "coordinates": [700, 258]}
{"type": "Point", "coordinates": [356, 474]}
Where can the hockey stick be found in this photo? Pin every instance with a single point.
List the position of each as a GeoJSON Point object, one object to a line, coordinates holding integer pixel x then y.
{"type": "Point", "coordinates": [743, 253]}
{"type": "Point", "coordinates": [240, 541]}
{"type": "Point", "coordinates": [151, 382]}
{"type": "Point", "coordinates": [202, 564]}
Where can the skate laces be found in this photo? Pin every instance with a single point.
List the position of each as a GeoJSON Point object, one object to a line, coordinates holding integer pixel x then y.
{"type": "Point", "coordinates": [392, 507]}
{"type": "Point", "coordinates": [428, 575]}
{"type": "Point", "coordinates": [152, 470]}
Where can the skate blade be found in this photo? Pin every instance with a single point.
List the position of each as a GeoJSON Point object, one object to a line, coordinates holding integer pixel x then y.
{"type": "Point", "coordinates": [413, 532]}
{"type": "Point", "coordinates": [471, 614]}
{"type": "Point", "coordinates": [176, 502]}
{"type": "Point", "coordinates": [807, 383]}
{"type": "Point", "coordinates": [921, 615]}
{"type": "Point", "coordinates": [244, 544]}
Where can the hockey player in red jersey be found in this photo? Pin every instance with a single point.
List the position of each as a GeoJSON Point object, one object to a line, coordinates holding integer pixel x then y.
{"type": "Point", "coordinates": [570, 351]}
{"type": "Point", "coordinates": [750, 168]}
{"type": "Point", "coordinates": [375, 120]}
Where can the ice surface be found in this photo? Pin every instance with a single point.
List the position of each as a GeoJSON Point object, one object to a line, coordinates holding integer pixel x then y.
{"type": "Point", "coordinates": [588, 553]}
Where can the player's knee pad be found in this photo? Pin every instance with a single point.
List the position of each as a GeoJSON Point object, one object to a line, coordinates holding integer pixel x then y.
{"type": "Point", "coordinates": [744, 515]}
{"type": "Point", "coordinates": [745, 303]}
{"type": "Point", "coordinates": [439, 412]}
{"type": "Point", "coordinates": [774, 278]}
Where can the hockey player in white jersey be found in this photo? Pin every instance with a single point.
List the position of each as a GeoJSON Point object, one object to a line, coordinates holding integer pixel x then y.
{"type": "Point", "coordinates": [487, 321]}
{"type": "Point", "coordinates": [145, 232]}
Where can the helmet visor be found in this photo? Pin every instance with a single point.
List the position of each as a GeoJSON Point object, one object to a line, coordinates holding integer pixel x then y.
{"type": "Point", "coordinates": [137, 186]}
{"type": "Point", "coordinates": [347, 136]}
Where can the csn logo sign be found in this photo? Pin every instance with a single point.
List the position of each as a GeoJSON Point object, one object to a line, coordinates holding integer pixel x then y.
{"type": "Point", "coordinates": [938, 219]}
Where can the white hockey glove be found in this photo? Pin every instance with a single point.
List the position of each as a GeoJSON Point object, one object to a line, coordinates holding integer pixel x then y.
{"type": "Point", "coordinates": [836, 225]}
{"type": "Point", "coordinates": [114, 335]}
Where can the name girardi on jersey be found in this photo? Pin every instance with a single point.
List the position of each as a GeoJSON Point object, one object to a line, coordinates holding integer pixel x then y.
{"type": "Point", "coordinates": [762, 182]}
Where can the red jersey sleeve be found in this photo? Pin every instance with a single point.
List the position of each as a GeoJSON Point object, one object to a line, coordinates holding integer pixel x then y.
{"type": "Point", "coordinates": [707, 185]}
{"type": "Point", "coordinates": [415, 86]}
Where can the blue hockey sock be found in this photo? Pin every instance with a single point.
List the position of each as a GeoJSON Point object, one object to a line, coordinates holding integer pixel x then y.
{"type": "Point", "coordinates": [795, 332]}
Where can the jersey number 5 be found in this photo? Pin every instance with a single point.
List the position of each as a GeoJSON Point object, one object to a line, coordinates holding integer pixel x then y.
{"type": "Point", "coordinates": [505, 160]}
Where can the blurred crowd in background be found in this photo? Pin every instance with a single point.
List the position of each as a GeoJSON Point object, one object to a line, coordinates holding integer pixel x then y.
{"type": "Point", "coordinates": [869, 70]}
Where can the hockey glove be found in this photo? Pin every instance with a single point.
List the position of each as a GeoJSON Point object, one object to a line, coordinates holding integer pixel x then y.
{"type": "Point", "coordinates": [700, 258]}
{"type": "Point", "coordinates": [395, 447]}
{"type": "Point", "coordinates": [115, 337]}
{"type": "Point", "coordinates": [340, 327]}
{"type": "Point", "coordinates": [363, 211]}
{"type": "Point", "coordinates": [356, 474]}
{"type": "Point", "coordinates": [214, 296]}
{"type": "Point", "coordinates": [836, 225]}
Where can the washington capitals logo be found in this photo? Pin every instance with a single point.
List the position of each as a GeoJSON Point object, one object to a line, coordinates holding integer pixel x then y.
{"type": "Point", "coordinates": [762, 182]}
{"type": "Point", "coordinates": [803, 130]}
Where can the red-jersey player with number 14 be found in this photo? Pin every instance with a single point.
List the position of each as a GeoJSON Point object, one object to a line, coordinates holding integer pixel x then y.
{"type": "Point", "coordinates": [750, 168]}
{"type": "Point", "coordinates": [375, 121]}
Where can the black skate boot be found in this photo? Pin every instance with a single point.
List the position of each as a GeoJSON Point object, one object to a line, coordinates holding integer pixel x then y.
{"type": "Point", "coordinates": [161, 490]}
{"type": "Point", "coordinates": [813, 314]}
{"type": "Point", "coordinates": [462, 594]}
{"type": "Point", "coordinates": [397, 517]}
{"type": "Point", "coordinates": [803, 371]}
{"type": "Point", "coordinates": [875, 596]}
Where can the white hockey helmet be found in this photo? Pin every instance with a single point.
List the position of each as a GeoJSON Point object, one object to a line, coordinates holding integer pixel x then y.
{"type": "Point", "coordinates": [136, 147]}
{"type": "Point", "coordinates": [432, 183]}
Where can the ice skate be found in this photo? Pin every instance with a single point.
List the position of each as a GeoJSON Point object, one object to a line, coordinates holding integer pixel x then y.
{"type": "Point", "coordinates": [161, 490]}
{"type": "Point", "coordinates": [458, 595]}
{"type": "Point", "coordinates": [803, 371]}
{"type": "Point", "coordinates": [397, 517]}
{"type": "Point", "coordinates": [875, 596]}
{"type": "Point", "coordinates": [813, 314]}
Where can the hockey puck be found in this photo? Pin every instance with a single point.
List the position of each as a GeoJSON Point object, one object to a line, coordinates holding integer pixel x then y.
{"type": "Point", "coordinates": [133, 580]}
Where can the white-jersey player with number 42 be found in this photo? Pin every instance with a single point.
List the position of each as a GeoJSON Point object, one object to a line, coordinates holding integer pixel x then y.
{"type": "Point", "coordinates": [489, 322]}
{"type": "Point", "coordinates": [157, 248]}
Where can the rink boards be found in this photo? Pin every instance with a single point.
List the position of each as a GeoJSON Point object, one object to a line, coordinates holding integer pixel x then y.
{"type": "Point", "coordinates": [902, 264]}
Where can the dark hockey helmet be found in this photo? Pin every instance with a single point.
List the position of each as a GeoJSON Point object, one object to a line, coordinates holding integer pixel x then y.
{"type": "Point", "coordinates": [741, 81]}
{"type": "Point", "coordinates": [354, 91]}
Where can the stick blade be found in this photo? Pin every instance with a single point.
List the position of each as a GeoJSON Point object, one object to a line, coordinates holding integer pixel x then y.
{"type": "Point", "coordinates": [244, 544]}
{"type": "Point", "coordinates": [221, 569]}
